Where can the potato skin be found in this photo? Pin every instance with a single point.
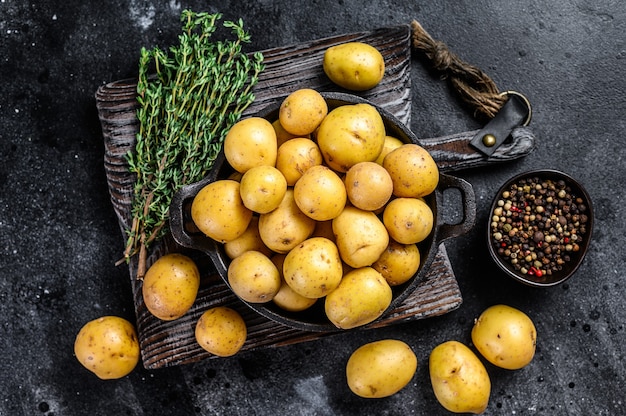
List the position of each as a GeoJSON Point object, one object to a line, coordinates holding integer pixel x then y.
{"type": "Point", "coordinates": [221, 331]}
{"type": "Point", "coordinates": [251, 142]}
{"type": "Point", "coordinates": [108, 347]}
{"type": "Point", "coordinates": [380, 368]}
{"type": "Point", "coordinates": [313, 268]}
{"type": "Point", "coordinates": [505, 336]}
{"type": "Point", "coordinates": [459, 379]}
{"type": "Point", "coordinates": [254, 277]}
{"type": "Point", "coordinates": [351, 134]}
{"type": "Point", "coordinates": [355, 66]}
{"type": "Point", "coordinates": [413, 171]}
{"type": "Point", "coordinates": [218, 211]}
{"type": "Point", "coordinates": [360, 236]}
{"type": "Point", "coordinates": [302, 111]}
{"type": "Point", "coordinates": [368, 186]}
{"type": "Point", "coordinates": [398, 263]}
{"type": "Point", "coordinates": [408, 220]}
{"type": "Point", "coordinates": [320, 193]}
{"type": "Point", "coordinates": [286, 226]}
{"type": "Point", "coordinates": [295, 156]}
{"type": "Point", "coordinates": [170, 286]}
{"type": "Point", "coordinates": [362, 296]}
{"type": "Point", "coordinates": [262, 188]}
{"type": "Point", "coordinates": [249, 240]}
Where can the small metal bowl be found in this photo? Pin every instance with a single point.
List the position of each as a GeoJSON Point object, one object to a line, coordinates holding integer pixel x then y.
{"type": "Point", "coordinates": [314, 319]}
{"type": "Point", "coordinates": [554, 237]}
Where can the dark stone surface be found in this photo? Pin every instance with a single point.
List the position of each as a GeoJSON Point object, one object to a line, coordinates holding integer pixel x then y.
{"type": "Point", "coordinates": [59, 237]}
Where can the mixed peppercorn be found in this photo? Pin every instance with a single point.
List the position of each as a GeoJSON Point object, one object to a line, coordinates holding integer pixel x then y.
{"type": "Point", "coordinates": [538, 225]}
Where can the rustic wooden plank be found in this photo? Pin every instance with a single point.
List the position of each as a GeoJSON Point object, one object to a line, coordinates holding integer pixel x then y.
{"type": "Point", "coordinates": [165, 344]}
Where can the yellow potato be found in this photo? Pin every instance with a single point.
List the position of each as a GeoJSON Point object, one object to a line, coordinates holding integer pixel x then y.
{"type": "Point", "coordinates": [360, 236]}
{"type": "Point", "coordinates": [391, 143]}
{"type": "Point", "coordinates": [262, 188]}
{"type": "Point", "coordinates": [253, 277]}
{"type": "Point", "coordinates": [459, 379]}
{"type": "Point", "coordinates": [380, 368]}
{"type": "Point", "coordinates": [408, 220]}
{"type": "Point", "coordinates": [302, 111]}
{"type": "Point", "coordinates": [398, 263]}
{"type": "Point", "coordinates": [320, 193]}
{"type": "Point", "coordinates": [221, 331]}
{"type": "Point", "coordinates": [362, 296]}
{"type": "Point", "coordinates": [249, 240]}
{"type": "Point", "coordinates": [368, 186]}
{"type": "Point", "coordinates": [413, 171]}
{"type": "Point", "coordinates": [351, 134]}
{"type": "Point", "coordinates": [287, 298]}
{"type": "Point", "coordinates": [505, 336]}
{"type": "Point", "coordinates": [250, 142]}
{"type": "Point", "coordinates": [108, 347]}
{"type": "Point", "coordinates": [282, 135]}
{"type": "Point", "coordinates": [218, 211]}
{"type": "Point", "coordinates": [313, 268]}
{"type": "Point", "coordinates": [170, 286]}
{"type": "Point", "coordinates": [296, 156]}
{"type": "Point", "coordinates": [286, 226]}
{"type": "Point", "coordinates": [356, 66]}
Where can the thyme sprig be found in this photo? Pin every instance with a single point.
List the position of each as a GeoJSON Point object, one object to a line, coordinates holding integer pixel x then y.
{"type": "Point", "coordinates": [189, 98]}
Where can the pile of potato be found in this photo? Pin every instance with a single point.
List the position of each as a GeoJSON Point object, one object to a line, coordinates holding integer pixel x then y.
{"type": "Point", "coordinates": [322, 204]}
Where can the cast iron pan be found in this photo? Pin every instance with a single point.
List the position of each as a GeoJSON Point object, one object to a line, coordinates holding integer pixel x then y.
{"type": "Point", "coordinates": [187, 235]}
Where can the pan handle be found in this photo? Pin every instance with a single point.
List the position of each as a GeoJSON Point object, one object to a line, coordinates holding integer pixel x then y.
{"type": "Point", "coordinates": [468, 200]}
{"type": "Point", "coordinates": [183, 231]}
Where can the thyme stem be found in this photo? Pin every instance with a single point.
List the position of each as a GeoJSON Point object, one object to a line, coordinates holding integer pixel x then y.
{"type": "Point", "coordinates": [189, 98]}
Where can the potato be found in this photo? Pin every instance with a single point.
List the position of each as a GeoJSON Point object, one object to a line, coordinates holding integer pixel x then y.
{"type": "Point", "coordinates": [221, 331]}
{"type": "Point", "coordinates": [218, 211]}
{"type": "Point", "coordinates": [505, 336]}
{"type": "Point", "coordinates": [360, 236]}
{"type": "Point", "coordinates": [368, 186]}
{"type": "Point", "coordinates": [286, 226]}
{"type": "Point", "coordinates": [262, 188]}
{"type": "Point", "coordinates": [380, 368]}
{"type": "Point", "coordinates": [282, 135]}
{"type": "Point", "coordinates": [391, 143]}
{"type": "Point", "coordinates": [286, 298]}
{"type": "Point", "coordinates": [362, 296]}
{"type": "Point", "coordinates": [351, 134]}
{"type": "Point", "coordinates": [108, 347]}
{"type": "Point", "coordinates": [413, 170]}
{"type": "Point", "coordinates": [170, 286]}
{"type": "Point", "coordinates": [249, 240]}
{"type": "Point", "coordinates": [302, 111]}
{"type": "Point", "coordinates": [408, 220]}
{"type": "Point", "coordinates": [253, 277]}
{"type": "Point", "coordinates": [250, 142]}
{"type": "Point", "coordinates": [398, 263]}
{"type": "Point", "coordinates": [313, 268]}
{"type": "Point", "coordinates": [295, 156]}
{"type": "Point", "coordinates": [289, 300]}
{"type": "Point", "coordinates": [354, 66]}
{"type": "Point", "coordinates": [459, 379]}
{"type": "Point", "coordinates": [320, 193]}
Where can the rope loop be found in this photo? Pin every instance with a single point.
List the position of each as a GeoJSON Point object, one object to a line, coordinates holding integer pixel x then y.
{"type": "Point", "coordinates": [473, 86]}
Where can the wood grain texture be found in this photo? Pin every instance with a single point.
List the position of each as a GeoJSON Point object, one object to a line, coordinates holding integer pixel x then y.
{"type": "Point", "coordinates": [165, 344]}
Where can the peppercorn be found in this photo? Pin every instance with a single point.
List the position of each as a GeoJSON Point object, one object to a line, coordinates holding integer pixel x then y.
{"type": "Point", "coordinates": [537, 224]}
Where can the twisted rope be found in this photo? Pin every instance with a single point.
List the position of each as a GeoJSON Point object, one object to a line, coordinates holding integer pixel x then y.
{"type": "Point", "coordinates": [473, 86]}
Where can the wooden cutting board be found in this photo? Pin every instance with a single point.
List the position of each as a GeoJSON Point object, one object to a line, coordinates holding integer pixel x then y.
{"type": "Point", "coordinates": [288, 68]}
